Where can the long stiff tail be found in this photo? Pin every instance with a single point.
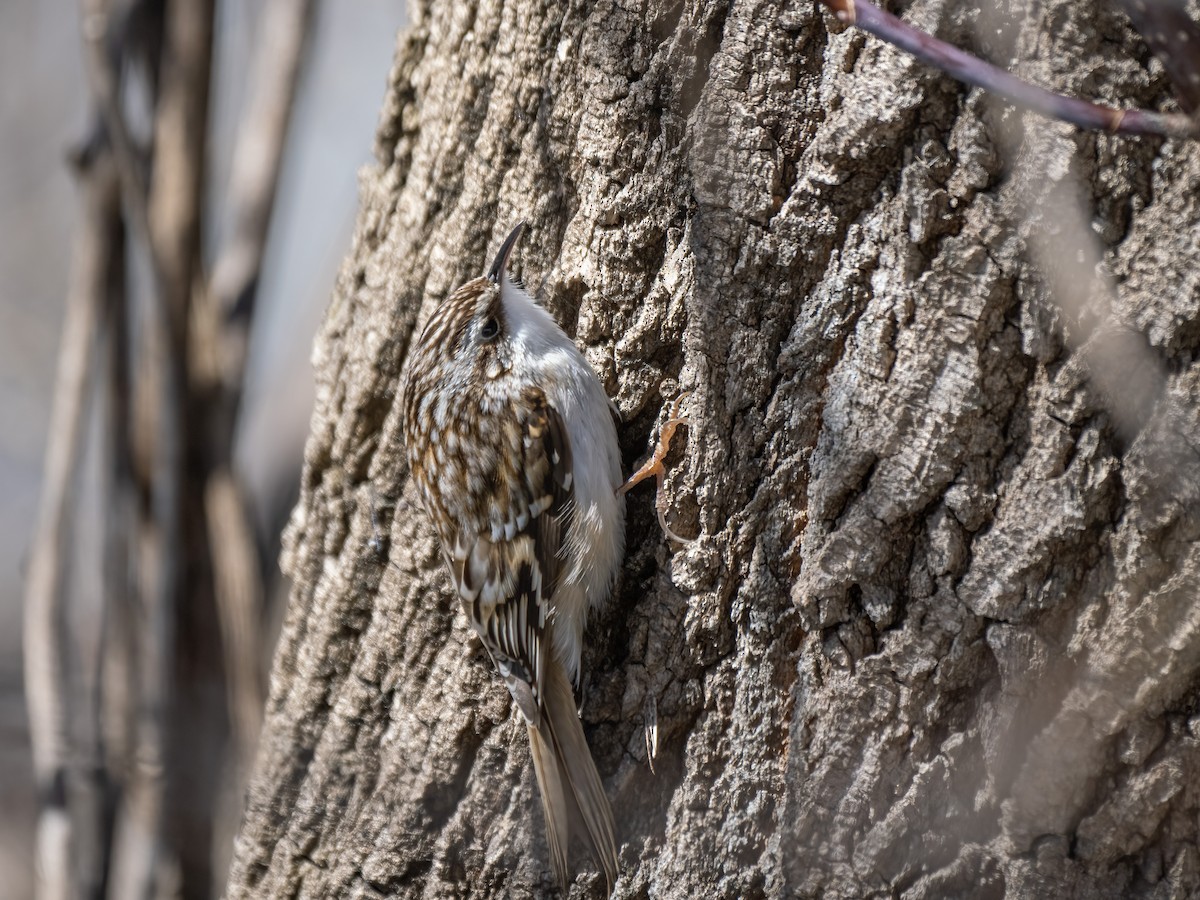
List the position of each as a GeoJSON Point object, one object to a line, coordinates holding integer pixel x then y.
{"type": "Point", "coordinates": [568, 781]}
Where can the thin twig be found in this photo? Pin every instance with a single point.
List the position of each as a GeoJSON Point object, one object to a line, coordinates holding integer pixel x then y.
{"type": "Point", "coordinates": [254, 181]}
{"type": "Point", "coordinates": [238, 585]}
{"type": "Point", "coordinates": [104, 82]}
{"type": "Point", "coordinates": [229, 311]}
{"type": "Point", "coordinates": [173, 206]}
{"type": "Point", "coordinates": [175, 200]}
{"type": "Point", "coordinates": [93, 809]}
{"type": "Point", "coordinates": [179, 723]}
{"type": "Point", "coordinates": [117, 675]}
{"type": "Point", "coordinates": [135, 859]}
{"type": "Point", "coordinates": [46, 639]}
{"type": "Point", "coordinates": [973, 70]}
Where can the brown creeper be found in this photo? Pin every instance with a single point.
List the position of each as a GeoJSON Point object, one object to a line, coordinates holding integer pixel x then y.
{"type": "Point", "coordinates": [514, 454]}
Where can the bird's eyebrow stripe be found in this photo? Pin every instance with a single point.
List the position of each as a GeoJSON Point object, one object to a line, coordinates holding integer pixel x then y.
{"type": "Point", "coordinates": [449, 321]}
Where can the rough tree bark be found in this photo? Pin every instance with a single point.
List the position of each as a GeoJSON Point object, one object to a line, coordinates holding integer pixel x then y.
{"type": "Point", "coordinates": [939, 634]}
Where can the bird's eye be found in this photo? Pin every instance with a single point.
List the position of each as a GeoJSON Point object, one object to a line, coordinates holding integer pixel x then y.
{"type": "Point", "coordinates": [490, 328]}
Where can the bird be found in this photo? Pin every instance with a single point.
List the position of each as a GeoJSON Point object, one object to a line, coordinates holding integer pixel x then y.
{"type": "Point", "coordinates": [512, 445]}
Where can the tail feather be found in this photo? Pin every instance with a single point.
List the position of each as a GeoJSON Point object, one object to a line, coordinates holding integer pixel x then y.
{"type": "Point", "coordinates": [554, 802]}
{"type": "Point", "coordinates": [568, 781]}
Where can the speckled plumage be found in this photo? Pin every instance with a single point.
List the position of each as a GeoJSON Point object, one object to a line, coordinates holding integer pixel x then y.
{"type": "Point", "coordinates": [514, 453]}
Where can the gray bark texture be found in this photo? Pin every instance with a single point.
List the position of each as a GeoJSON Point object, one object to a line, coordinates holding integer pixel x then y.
{"type": "Point", "coordinates": [939, 634]}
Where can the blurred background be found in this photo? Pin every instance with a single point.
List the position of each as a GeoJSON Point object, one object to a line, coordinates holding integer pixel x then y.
{"type": "Point", "coordinates": [56, 188]}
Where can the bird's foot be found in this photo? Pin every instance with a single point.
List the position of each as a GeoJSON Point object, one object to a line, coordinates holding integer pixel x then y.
{"type": "Point", "coordinates": [654, 467]}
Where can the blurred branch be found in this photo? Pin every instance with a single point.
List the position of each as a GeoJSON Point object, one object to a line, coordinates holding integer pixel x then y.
{"type": "Point", "coordinates": [96, 792]}
{"type": "Point", "coordinates": [175, 208]}
{"type": "Point", "coordinates": [175, 201]}
{"type": "Point", "coordinates": [116, 681]}
{"type": "Point", "coordinates": [1143, 647]}
{"type": "Point", "coordinates": [231, 306]}
{"type": "Point", "coordinates": [239, 588]}
{"type": "Point", "coordinates": [46, 639]}
{"type": "Point", "coordinates": [256, 168]}
{"type": "Point", "coordinates": [974, 71]}
{"type": "Point", "coordinates": [103, 76]}
{"type": "Point", "coordinates": [1129, 379]}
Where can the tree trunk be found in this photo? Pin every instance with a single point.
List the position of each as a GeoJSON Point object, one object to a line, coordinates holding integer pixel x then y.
{"type": "Point", "coordinates": [939, 633]}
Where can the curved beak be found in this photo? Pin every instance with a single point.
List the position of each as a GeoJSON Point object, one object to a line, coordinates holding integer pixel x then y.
{"type": "Point", "coordinates": [497, 270]}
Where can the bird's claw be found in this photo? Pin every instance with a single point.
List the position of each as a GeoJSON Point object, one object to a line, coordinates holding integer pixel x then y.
{"type": "Point", "coordinates": [654, 467]}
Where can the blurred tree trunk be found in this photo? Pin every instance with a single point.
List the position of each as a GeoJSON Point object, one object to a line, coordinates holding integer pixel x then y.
{"type": "Point", "coordinates": [939, 635]}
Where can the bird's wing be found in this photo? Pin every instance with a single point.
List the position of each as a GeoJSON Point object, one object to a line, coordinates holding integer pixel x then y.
{"type": "Point", "coordinates": [506, 574]}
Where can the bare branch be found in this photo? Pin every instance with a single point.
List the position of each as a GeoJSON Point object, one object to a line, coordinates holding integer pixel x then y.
{"type": "Point", "coordinates": [974, 71]}
{"type": "Point", "coordinates": [176, 442]}
{"type": "Point", "coordinates": [46, 638]}
{"type": "Point", "coordinates": [220, 342]}
{"type": "Point", "coordinates": [103, 80]}
{"type": "Point", "coordinates": [256, 167]}
{"type": "Point", "coordinates": [117, 676]}
{"type": "Point", "coordinates": [173, 211]}
{"type": "Point", "coordinates": [180, 136]}
{"type": "Point", "coordinates": [230, 311]}
{"type": "Point", "coordinates": [238, 584]}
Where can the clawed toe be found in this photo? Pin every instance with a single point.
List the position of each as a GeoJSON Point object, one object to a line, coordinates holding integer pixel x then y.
{"type": "Point", "coordinates": [654, 467]}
